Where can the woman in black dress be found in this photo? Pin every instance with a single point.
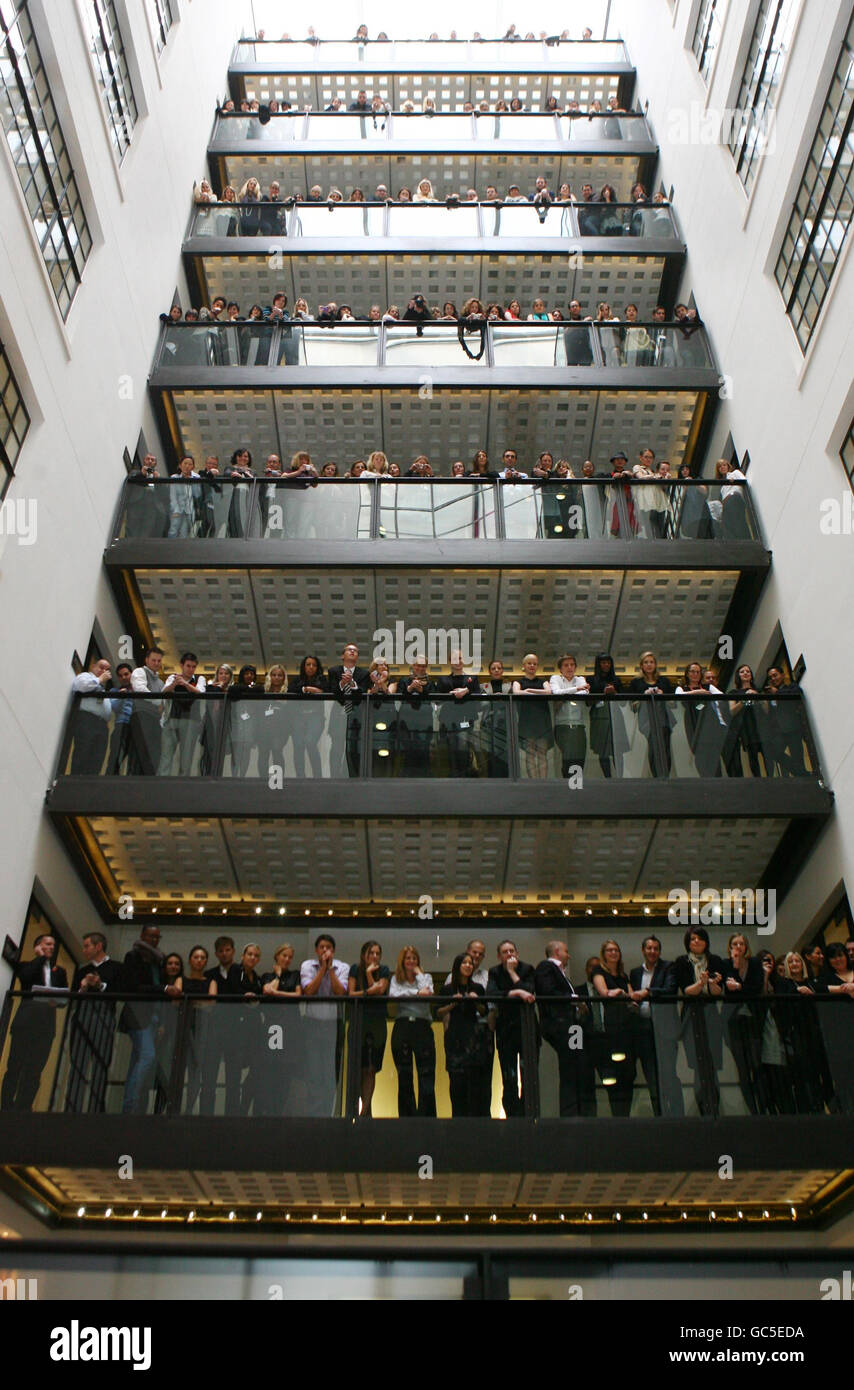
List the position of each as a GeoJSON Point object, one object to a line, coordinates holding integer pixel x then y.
{"type": "Point", "coordinates": [655, 718]}
{"type": "Point", "coordinates": [744, 727]}
{"type": "Point", "coordinates": [167, 1032]}
{"type": "Point", "coordinates": [242, 730]}
{"type": "Point", "coordinates": [213, 717]}
{"type": "Point", "coordinates": [607, 730]}
{"type": "Point", "coordinates": [700, 973]}
{"type": "Point", "coordinates": [197, 985]}
{"type": "Point", "coordinates": [240, 471]}
{"type": "Point", "coordinates": [706, 723]}
{"type": "Point", "coordinates": [466, 1038]}
{"type": "Point", "coordinates": [251, 1023]}
{"type": "Point", "coordinates": [369, 980]}
{"type": "Point", "coordinates": [743, 981]}
{"type": "Point", "coordinates": [796, 1017]}
{"type": "Point", "coordinates": [534, 718]}
{"type": "Point", "coordinates": [306, 716]}
{"type": "Point", "coordinates": [276, 1061]}
{"type": "Point", "coordinates": [610, 981]}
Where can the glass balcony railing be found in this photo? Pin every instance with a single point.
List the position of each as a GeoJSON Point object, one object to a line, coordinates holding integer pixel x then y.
{"type": "Point", "coordinates": [245, 732]}
{"type": "Point", "coordinates": [452, 129]}
{"type": "Point", "coordinates": [380, 507]}
{"type": "Point", "coordinates": [214, 345]}
{"type": "Point", "coordinates": [408, 55]}
{"type": "Point", "coordinates": [270, 1052]}
{"type": "Point", "coordinates": [350, 222]}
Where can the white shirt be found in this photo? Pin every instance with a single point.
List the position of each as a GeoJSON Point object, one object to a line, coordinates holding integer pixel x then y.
{"type": "Point", "coordinates": [735, 475]}
{"type": "Point", "coordinates": [569, 711]}
{"type": "Point", "coordinates": [646, 982]}
{"type": "Point", "coordinates": [713, 690]}
{"type": "Point", "coordinates": [199, 684]}
{"type": "Point", "coordinates": [307, 972]}
{"type": "Point", "coordinates": [87, 684]}
{"type": "Point", "coordinates": [403, 989]}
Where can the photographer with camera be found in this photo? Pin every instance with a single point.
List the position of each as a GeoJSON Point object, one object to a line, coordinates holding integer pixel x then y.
{"type": "Point", "coordinates": [418, 311]}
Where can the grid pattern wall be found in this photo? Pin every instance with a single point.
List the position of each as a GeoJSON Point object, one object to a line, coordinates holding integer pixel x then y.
{"type": "Point", "coordinates": [40, 156]}
{"type": "Point", "coordinates": [446, 425]}
{"type": "Point", "coordinates": [268, 615]}
{"type": "Point", "coordinates": [821, 216]}
{"type": "Point", "coordinates": [452, 90]}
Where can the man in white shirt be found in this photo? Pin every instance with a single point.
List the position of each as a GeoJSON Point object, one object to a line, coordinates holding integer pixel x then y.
{"type": "Point", "coordinates": [181, 722]}
{"type": "Point", "coordinates": [325, 977]}
{"type": "Point", "coordinates": [145, 735]}
{"type": "Point", "coordinates": [91, 720]}
{"type": "Point", "coordinates": [510, 471]}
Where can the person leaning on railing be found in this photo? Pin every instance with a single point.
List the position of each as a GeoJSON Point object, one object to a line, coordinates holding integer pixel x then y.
{"type": "Point", "coordinates": [92, 719]}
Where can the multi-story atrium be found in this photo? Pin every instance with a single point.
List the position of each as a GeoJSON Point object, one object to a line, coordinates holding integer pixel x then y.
{"type": "Point", "coordinates": [456, 597]}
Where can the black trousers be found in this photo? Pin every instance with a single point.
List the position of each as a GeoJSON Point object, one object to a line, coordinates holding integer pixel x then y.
{"type": "Point", "coordinates": [412, 1039]}
{"type": "Point", "coordinates": [90, 744]}
{"type": "Point", "coordinates": [576, 1093]}
{"type": "Point", "coordinates": [464, 1092]}
{"type": "Point", "coordinates": [29, 1051]}
{"type": "Point", "coordinates": [657, 1057]}
{"type": "Point", "coordinates": [145, 740]}
{"type": "Point", "coordinates": [512, 1073]}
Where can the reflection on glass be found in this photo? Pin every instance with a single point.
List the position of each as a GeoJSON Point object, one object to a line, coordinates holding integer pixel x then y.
{"type": "Point", "coordinates": [415, 510]}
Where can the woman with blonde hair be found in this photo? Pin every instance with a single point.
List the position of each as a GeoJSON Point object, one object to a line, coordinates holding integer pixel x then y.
{"type": "Point", "coordinates": [656, 718]}
{"type": "Point", "coordinates": [534, 720]}
{"type": "Point", "coordinates": [424, 193]}
{"type": "Point", "coordinates": [412, 1035]}
{"type": "Point", "coordinates": [212, 718]}
{"type": "Point", "coordinates": [377, 464]}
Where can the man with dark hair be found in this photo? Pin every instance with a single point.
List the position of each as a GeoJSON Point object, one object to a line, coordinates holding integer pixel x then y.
{"type": "Point", "coordinates": [814, 957]}
{"type": "Point", "coordinates": [657, 1034]}
{"type": "Point", "coordinates": [93, 1025]}
{"type": "Point", "coordinates": [416, 718]}
{"type": "Point", "coordinates": [222, 1038]}
{"type": "Point", "coordinates": [145, 732]}
{"type": "Point", "coordinates": [784, 726]}
{"type": "Point", "coordinates": [142, 974]}
{"type": "Point", "coordinates": [515, 983]}
{"type": "Point", "coordinates": [91, 718]}
{"type": "Point", "coordinates": [348, 682]}
{"type": "Point", "coordinates": [323, 978]}
{"type": "Point", "coordinates": [181, 725]}
{"type": "Point", "coordinates": [122, 713]}
{"type": "Point", "coordinates": [33, 1029]}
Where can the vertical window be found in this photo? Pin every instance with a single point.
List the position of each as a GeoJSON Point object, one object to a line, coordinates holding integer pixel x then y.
{"type": "Point", "coordinates": [821, 215]}
{"type": "Point", "coordinates": [707, 34]}
{"type": "Point", "coordinates": [161, 17]}
{"type": "Point", "coordinates": [14, 422]}
{"type": "Point", "coordinates": [35, 138]}
{"type": "Point", "coordinates": [757, 95]}
{"type": "Point", "coordinates": [846, 453]}
{"type": "Point", "coordinates": [111, 70]}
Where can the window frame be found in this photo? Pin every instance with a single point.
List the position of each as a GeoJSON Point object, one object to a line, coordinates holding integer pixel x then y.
{"type": "Point", "coordinates": [747, 88]}
{"type": "Point", "coordinates": [8, 466]}
{"type": "Point", "coordinates": [111, 69]}
{"type": "Point", "coordinates": [709, 9]}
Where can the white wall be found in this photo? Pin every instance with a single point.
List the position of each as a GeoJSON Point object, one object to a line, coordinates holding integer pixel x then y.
{"type": "Point", "coordinates": [71, 375]}
{"type": "Point", "coordinates": [791, 413]}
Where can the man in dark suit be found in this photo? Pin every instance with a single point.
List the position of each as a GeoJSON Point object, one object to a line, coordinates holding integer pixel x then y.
{"type": "Point", "coordinates": [416, 718]}
{"type": "Point", "coordinates": [514, 982]}
{"type": "Point", "coordinates": [223, 1041]}
{"type": "Point", "coordinates": [33, 1029]}
{"type": "Point", "coordinates": [348, 682]}
{"type": "Point", "coordinates": [657, 1032]}
{"type": "Point", "coordinates": [142, 974]}
{"type": "Point", "coordinates": [563, 1022]}
{"type": "Point", "coordinates": [93, 1025]}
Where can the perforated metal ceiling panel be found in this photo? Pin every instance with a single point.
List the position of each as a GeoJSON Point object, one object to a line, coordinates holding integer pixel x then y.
{"type": "Point", "coordinates": [721, 855]}
{"type": "Point", "coordinates": [453, 90]}
{"type": "Point", "coordinates": [449, 172]}
{"type": "Point", "coordinates": [444, 424]}
{"type": "Point", "coordinates": [670, 612]}
{"type": "Point", "coordinates": [384, 861]}
{"type": "Point", "coordinates": [269, 615]}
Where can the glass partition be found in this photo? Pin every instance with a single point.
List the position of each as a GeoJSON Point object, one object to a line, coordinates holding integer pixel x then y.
{"type": "Point", "coordinates": [332, 510]}
{"type": "Point", "coordinates": [341, 345]}
{"type": "Point", "coordinates": [458, 509]}
{"type": "Point", "coordinates": [338, 126]}
{"type": "Point", "coordinates": [233, 128]}
{"type": "Point", "coordinates": [245, 344]}
{"type": "Point", "coordinates": [527, 345]}
{"type": "Point", "coordinates": [351, 221]}
{"type": "Point", "coordinates": [428, 130]}
{"type": "Point", "coordinates": [525, 221]}
{"type": "Point", "coordinates": [426, 220]}
{"type": "Point", "coordinates": [654, 220]}
{"type": "Point", "coordinates": [527, 126]}
{"type": "Point", "coordinates": [278, 738]}
{"type": "Point", "coordinates": [433, 345]}
{"type": "Point", "coordinates": [486, 55]}
{"type": "Point", "coordinates": [217, 507]}
{"type": "Point", "coordinates": [448, 1053]}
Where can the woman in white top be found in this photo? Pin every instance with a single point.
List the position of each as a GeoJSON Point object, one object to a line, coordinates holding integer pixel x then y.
{"type": "Point", "coordinates": [570, 730]}
{"type": "Point", "coordinates": [377, 464]}
{"type": "Point", "coordinates": [706, 721]}
{"type": "Point", "coordinates": [424, 192]}
{"type": "Point", "coordinates": [412, 1035]}
{"type": "Point", "coordinates": [734, 525]}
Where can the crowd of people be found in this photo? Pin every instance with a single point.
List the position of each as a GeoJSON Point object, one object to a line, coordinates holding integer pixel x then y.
{"type": "Point", "coordinates": [511, 35]}
{"type": "Point", "coordinates": [790, 1056]}
{"type": "Point", "coordinates": [256, 213]}
{"type": "Point", "coordinates": [378, 107]}
{"type": "Point", "coordinates": [239, 715]}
